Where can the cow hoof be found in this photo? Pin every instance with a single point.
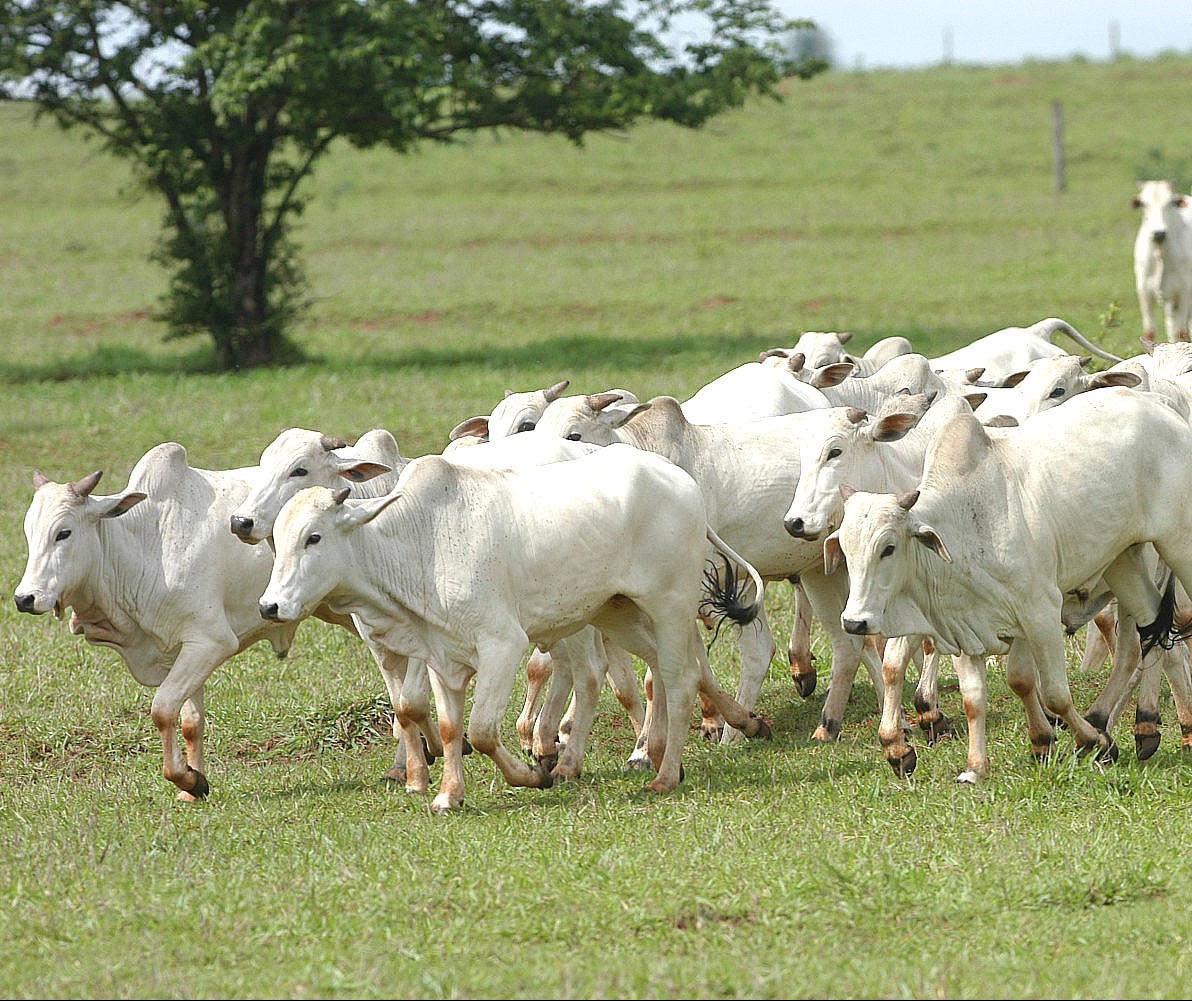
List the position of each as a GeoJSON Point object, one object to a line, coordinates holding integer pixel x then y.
{"type": "Point", "coordinates": [198, 791]}
{"type": "Point", "coordinates": [763, 731]}
{"type": "Point", "coordinates": [711, 731]}
{"type": "Point", "coordinates": [638, 765]}
{"type": "Point", "coordinates": [546, 779]}
{"type": "Point", "coordinates": [935, 728]}
{"type": "Point", "coordinates": [1145, 744]}
{"type": "Point", "coordinates": [967, 778]}
{"type": "Point", "coordinates": [804, 684]}
{"type": "Point", "coordinates": [904, 764]}
{"type": "Point", "coordinates": [547, 762]}
{"type": "Point", "coordinates": [467, 748]}
{"type": "Point", "coordinates": [1108, 754]}
{"type": "Point", "coordinates": [430, 758]}
{"type": "Point", "coordinates": [395, 775]}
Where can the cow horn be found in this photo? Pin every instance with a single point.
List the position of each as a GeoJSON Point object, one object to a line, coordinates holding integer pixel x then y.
{"type": "Point", "coordinates": [796, 361]}
{"type": "Point", "coordinates": [556, 390]}
{"type": "Point", "coordinates": [341, 495]}
{"type": "Point", "coordinates": [855, 415]}
{"type": "Point", "coordinates": [39, 479]}
{"type": "Point", "coordinates": [83, 487]}
{"type": "Point", "coordinates": [907, 500]}
{"type": "Point", "coordinates": [329, 443]}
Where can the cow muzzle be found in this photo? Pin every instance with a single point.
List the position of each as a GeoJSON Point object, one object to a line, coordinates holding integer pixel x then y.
{"type": "Point", "coordinates": [242, 528]}
{"type": "Point", "coordinates": [857, 627]}
{"type": "Point", "coordinates": [27, 603]}
{"type": "Point", "coordinates": [799, 529]}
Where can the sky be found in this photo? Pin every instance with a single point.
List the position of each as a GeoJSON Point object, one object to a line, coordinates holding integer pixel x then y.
{"type": "Point", "coordinates": [871, 34]}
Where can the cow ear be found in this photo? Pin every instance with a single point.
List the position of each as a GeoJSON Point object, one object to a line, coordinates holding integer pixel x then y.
{"type": "Point", "coordinates": [845, 336]}
{"type": "Point", "coordinates": [831, 375]}
{"type": "Point", "coordinates": [1002, 421]}
{"type": "Point", "coordinates": [361, 512]}
{"type": "Point", "coordinates": [893, 427]}
{"type": "Point", "coordinates": [1014, 378]}
{"type": "Point", "coordinates": [39, 479]}
{"type": "Point", "coordinates": [1120, 378]}
{"type": "Point", "coordinates": [115, 505]}
{"type": "Point", "coordinates": [473, 427]}
{"type": "Point", "coordinates": [976, 399]}
{"type": "Point", "coordinates": [833, 554]}
{"type": "Point", "coordinates": [359, 470]}
{"type": "Point", "coordinates": [930, 538]}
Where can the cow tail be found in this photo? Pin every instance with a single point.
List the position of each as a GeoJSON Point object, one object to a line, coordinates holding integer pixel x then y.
{"type": "Point", "coordinates": [1164, 631]}
{"type": "Point", "coordinates": [725, 589]}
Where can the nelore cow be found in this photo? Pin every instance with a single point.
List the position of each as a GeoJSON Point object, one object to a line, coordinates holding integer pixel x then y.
{"type": "Point", "coordinates": [153, 573]}
{"type": "Point", "coordinates": [1005, 527]}
{"type": "Point", "coordinates": [466, 567]}
{"type": "Point", "coordinates": [1163, 260]}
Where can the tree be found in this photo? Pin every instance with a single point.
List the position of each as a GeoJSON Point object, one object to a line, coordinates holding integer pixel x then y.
{"type": "Point", "coordinates": [224, 108]}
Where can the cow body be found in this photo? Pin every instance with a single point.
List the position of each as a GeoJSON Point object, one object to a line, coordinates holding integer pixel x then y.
{"type": "Point", "coordinates": [154, 574]}
{"type": "Point", "coordinates": [747, 471]}
{"type": "Point", "coordinates": [466, 567]}
{"type": "Point", "coordinates": [983, 555]}
{"type": "Point", "coordinates": [750, 391]}
{"type": "Point", "coordinates": [1163, 260]}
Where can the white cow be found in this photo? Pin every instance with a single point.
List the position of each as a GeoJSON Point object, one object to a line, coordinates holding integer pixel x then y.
{"type": "Point", "coordinates": [299, 458]}
{"type": "Point", "coordinates": [1008, 522]}
{"type": "Point", "coordinates": [748, 471]}
{"type": "Point", "coordinates": [466, 567]}
{"type": "Point", "coordinates": [821, 349]}
{"type": "Point", "coordinates": [520, 411]}
{"type": "Point", "coordinates": [1011, 349]}
{"type": "Point", "coordinates": [749, 391]}
{"type": "Point", "coordinates": [1163, 259]}
{"type": "Point", "coordinates": [1046, 383]}
{"type": "Point", "coordinates": [154, 573]}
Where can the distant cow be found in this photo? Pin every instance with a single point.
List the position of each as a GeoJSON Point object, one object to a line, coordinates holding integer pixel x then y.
{"type": "Point", "coordinates": [154, 573]}
{"type": "Point", "coordinates": [1163, 259]}
{"type": "Point", "coordinates": [465, 567]}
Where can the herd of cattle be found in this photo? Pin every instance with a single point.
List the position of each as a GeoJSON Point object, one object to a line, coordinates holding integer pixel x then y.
{"type": "Point", "coordinates": [917, 505]}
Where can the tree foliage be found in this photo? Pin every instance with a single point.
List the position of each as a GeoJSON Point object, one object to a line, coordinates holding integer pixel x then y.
{"type": "Point", "coordinates": [224, 108]}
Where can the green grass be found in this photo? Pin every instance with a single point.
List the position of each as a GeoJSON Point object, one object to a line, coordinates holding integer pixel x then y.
{"type": "Point", "coordinates": [913, 203]}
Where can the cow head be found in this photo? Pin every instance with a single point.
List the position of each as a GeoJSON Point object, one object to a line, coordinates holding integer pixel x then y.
{"type": "Point", "coordinates": [312, 552]}
{"type": "Point", "coordinates": [297, 459]}
{"type": "Point", "coordinates": [63, 539]}
{"type": "Point", "coordinates": [875, 540]}
{"type": "Point", "coordinates": [519, 412]}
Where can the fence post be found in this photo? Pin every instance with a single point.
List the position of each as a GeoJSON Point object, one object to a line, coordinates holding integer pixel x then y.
{"type": "Point", "coordinates": [1059, 182]}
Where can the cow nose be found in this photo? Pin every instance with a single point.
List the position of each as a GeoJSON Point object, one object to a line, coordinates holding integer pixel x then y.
{"type": "Point", "coordinates": [241, 526]}
{"type": "Point", "coordinates": [797, 528]}
{"type": "Point", "coordinates": [24, 602]}
{"type": "Point", "coordinates": [1159, 235]}
{"type": "Point", "coordinates": [268, 610]}
{"type": "Point", "coordinates": [858, 627]}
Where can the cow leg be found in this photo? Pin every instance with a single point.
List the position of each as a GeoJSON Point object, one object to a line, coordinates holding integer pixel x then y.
{"type": "Point", "coordinates": [972, 674]}
{"type": "Point", "coordinates": [933, 722]}
{"type": "Point", "coordinates": [891, 731]}
{"type": "Point", "coordinates": [639, 760]}
{"type": "Point", "coordinates": [545, 737]}
{"type": "Point", "coordinates": [193, 727]}
{"type": "Point", "coordinates": [1023, 681]}
{"type": "Point", "coordinates": [676, 647]}
{"type": "Point", "coordinates": [1046, 643]}
{"type": "Point", "coordinates": [757, 647]}
{"type": "Point", "coordinates": [450, 688]}
{"type": "Point", "coordinates": [623, 680]}
{"type": "Point", "coordinates": [538, 673]}
{"type": "Point", "coordinates": [192, 668]}
{"type": "Point", "coordinates": [587, 668]}
{"type": "Point", "coordinates": [799, 654]}
{"type": "Point", "coordinates": [496, 671]}
{"type": "Point", "coordinates": [411, 716]}
{"type": "Point", "coordinates": [729, 709]}
{"type": "Point", "coordinates": [1100, 639]}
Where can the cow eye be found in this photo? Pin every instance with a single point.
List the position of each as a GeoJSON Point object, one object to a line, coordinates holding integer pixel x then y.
{"type": "Point", "coordinates": [313, 539]}
{"type": "Point", "coordinates": [525, 426]}
{"type": "Point", "coordinates": [575, 436]}
{"type": "Point", "coordinates": [300, 471]}
{"type": "Point", "coordinates": [888, 551]}
{"type": "Point", "coordinates": [62, 534]}
{"type": "Point", "coordinates": [833, 453]}
{"type": "Point", "coordinates": [1057, 393]}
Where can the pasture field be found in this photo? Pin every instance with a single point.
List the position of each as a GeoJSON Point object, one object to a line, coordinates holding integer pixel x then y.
{"type": "Point", "coordinates": [912, 203]}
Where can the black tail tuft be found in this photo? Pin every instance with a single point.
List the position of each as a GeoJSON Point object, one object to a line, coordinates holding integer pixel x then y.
{"type": "Point", "coordinates": [1163, 632]}
{"type": "Point", "coordinates": [724, 596]}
